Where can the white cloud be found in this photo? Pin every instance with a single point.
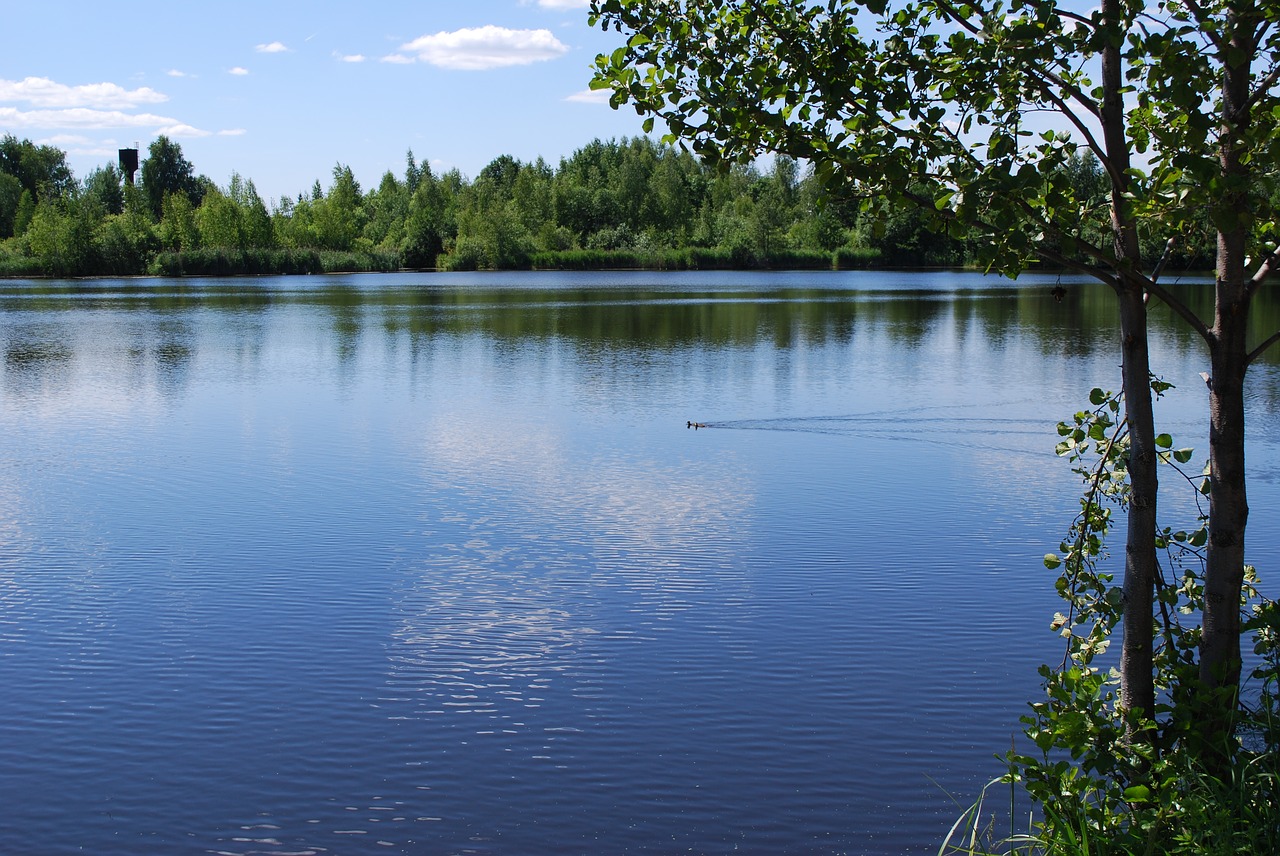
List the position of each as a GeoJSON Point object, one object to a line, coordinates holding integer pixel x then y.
{"type": "Point", "coordinates": [64, 141]}
{"type": "Point", "coordinates": [590, 96]}
{"type": "Point", "coordinates": [350, 57]}
{"type": "Point", "coordinates": [560, 5]}
{"type": "Point", "coordinates": [238, 71]}
{"type": "Point", "coordinates": [173, 72]}
{"type": "Point", "coordinates": [480, 48]}
{"type": "Point", "coordinates": [232, 132]}
{"type": "Point", "coordinates": [181, 129]}
{"type": "Point", "coordinates": [43, 92]}
{"type": "Point", "coordinates": [82, 146]}
{"type": "Point", "coordinates": [85, 118]}
{"type": "Point", "coordinates": [273, 47]}
{"type": "Point", "coordinates": [397, 59]}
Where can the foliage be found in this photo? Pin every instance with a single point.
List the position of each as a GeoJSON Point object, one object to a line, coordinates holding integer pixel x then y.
{"type": "Point", "coordinates": [1097, 790]}
{"type": "Point", "coordinates": [61, 237]}
{"type": "Point", "coordinates": [219, 261]}
{"type": "Point", "coordinates": [622, 203]}
{"type": "Point", "coordinates": [105, 187]}
{"type": "Point", "coordinates": [928, 104]}
{"type": "Point", "coordinates": [166, 171]}
{"type": "Point", "coordinates": [41, 170]}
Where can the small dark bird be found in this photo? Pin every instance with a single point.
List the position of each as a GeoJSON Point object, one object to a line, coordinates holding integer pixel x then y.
{"type": "Point", "coordinates": [695, 424]}
{"type": "Point", "coordinates": [1058, 293]}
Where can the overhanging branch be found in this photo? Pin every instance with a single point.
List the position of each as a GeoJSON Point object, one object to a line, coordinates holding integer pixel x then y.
{"type": "Point", "coordinates": [1258, 351]}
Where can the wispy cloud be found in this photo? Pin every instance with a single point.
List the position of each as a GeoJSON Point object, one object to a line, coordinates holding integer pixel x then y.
{"type": "Point", "coordinates": [84, 118]}
{"type": "Point", "coordinates": [70, 140]}
{"type": "Point", "coordinates": [173, 72]}
{"type": "Point", "coordinates": [397, 59]}
{"type": "Point", "coordinates": [272, 47]}
{"type": "Point", "coordinates": [232, 132]}
{"type": "Point", "coordinates": [590, 96]}
{"type": "Point", "coordinates": [182, 129]}
{"type": "Point", "coordinates": [481, 48]}
{"type": "Point", "coordinates": [238, 71]}
{"type": "Point", "coordinates": [349, 57]}
{"type": "Point", "coordinates": [75, 144]}
{"type": "Point", "coordinates": [561, 5]}
{"type": "Point", "coordinates": [43, 92]}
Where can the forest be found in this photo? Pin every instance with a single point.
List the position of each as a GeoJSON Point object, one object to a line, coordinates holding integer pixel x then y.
{"type": "Point", "coordinates": [630, 203]}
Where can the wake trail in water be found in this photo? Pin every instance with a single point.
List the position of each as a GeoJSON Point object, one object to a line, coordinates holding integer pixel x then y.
{"type": "Point", "coordinates": [935, 424]}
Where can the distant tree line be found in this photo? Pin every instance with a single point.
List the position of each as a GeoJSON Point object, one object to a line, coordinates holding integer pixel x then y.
{"type": "Point", "coordinates": [627, 203]}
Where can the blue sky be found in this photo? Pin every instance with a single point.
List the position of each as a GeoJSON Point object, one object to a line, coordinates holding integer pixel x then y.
{"type": "Point", "coordinates": [282, 91]}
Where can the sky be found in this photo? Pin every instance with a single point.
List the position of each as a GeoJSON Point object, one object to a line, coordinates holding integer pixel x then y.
{"type": "Point", "coordinates": [282, 92]}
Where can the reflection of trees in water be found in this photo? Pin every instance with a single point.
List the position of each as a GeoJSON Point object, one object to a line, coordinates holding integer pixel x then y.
{"type": "Point", "coordinates": [160, 353]}
{"type": "Point", "coordinates": [38, 362]}
{"type": "Point", "coordinates": [635, 320]}
{"type": "Point", "coordinates": [37, 356]}
{"type": "Point", "coordinates": [39, 359]}
{"type": "Point", "coordinates": [173, 364]}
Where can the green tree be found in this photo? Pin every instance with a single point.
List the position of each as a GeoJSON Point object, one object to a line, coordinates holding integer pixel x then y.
{"type": "Point", "coordinates": [125, 241]}
{"type": "Point", "coordinates": [165, 171]}
{"type": "Point", "coordinates": [26, 210]}
{"type": "Point", "coordinates": [255, 222]}
{"type": "Point", "coordinates": [178, 230]}
{"type": "Point", "coordinates": [338, 218]}
{"type": "Point", "coordinates": [387, 207]}
{"type": "Point", "coordinates": [11, 191]}
{"type": "Point", "coordinates": [931, 104]}
{"type": "Point", "coordinates": [820, 221]}
{"type": "Point", "coordinates": [909, 235]}
{"type": "Point", "coordinates": [61, 236]}
{"type": "Point", "coordinates": [42, 170]}
{"type": "Point", "coordinates": [220, 221]}
{"type": "Point", "coordinates": [104, 186]}
{"type": "Point", "coordinates": [427, 221]}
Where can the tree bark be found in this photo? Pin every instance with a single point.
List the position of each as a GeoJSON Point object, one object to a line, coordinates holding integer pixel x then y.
{"type": "Point", "coordinates": [1137, 684]}
{"type": "Point", "coordinates": [1228, 352]}
{"type": "Point", "coordinates": [1137, 680]}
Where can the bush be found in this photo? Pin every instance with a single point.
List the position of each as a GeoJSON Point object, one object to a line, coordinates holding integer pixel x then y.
{"type": "Point", "coordinates": [1102, 779]}
{"type": "Point", "coordinates": [217, 261]}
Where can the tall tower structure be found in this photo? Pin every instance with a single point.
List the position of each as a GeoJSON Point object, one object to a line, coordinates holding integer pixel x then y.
{"type": "Point", "coordinates": [128, 163]}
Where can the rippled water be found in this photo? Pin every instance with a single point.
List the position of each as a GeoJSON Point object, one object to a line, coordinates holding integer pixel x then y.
{"type": "Point", "coordinates": [432, 564]}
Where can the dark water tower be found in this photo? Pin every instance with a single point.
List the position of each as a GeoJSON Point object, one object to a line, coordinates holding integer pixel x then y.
{"type": "Point", "coordinates": [128, 163]}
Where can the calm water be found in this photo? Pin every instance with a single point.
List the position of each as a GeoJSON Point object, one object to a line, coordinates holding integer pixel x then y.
{"type": "Point", "coordinates": [432, 564]}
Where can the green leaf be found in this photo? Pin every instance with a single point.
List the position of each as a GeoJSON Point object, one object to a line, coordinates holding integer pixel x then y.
{"type": "Point", "coordinates": [1164, 441]}
{"type": "Point", "coordinates": [1097, 396]}
{"type": "Point", "coordinates": [1137, 793]}
{"type": "Point", "coordinates": [1051, 561]}
{"type": "Point", "coordinates": [1183, 455]}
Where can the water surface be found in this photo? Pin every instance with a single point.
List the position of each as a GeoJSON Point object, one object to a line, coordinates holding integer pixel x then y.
{"type": "Point", "coordinates": [432, 563]}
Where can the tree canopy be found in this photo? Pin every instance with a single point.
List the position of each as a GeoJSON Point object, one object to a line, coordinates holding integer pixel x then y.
{"type": "Point", "coordinates": [616, 203]}
{"type": "Point", "coordinates": [166, 171]}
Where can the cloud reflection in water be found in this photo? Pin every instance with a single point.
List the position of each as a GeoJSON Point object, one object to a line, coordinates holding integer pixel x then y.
{"type": "Point", "coordinates": [540, 559]}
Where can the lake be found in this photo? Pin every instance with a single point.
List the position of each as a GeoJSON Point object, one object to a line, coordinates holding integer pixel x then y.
{"type": "Point", "coordinates": [431, 563]}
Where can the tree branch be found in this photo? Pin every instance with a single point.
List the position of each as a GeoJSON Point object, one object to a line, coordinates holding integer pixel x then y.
{"type": "Point", "coordinates": [1263, 273]}
{"type": "Point", "coordinates": [1094, 146]}
{"type": "Point", "coordinates": [1202, 17]}
{"type": "Point", "coordinates": [1179, 307]}
{"type": "Point", "coordinates": [1258, 351]}
{"type": "Point", "coordinates": [1259, 92]}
